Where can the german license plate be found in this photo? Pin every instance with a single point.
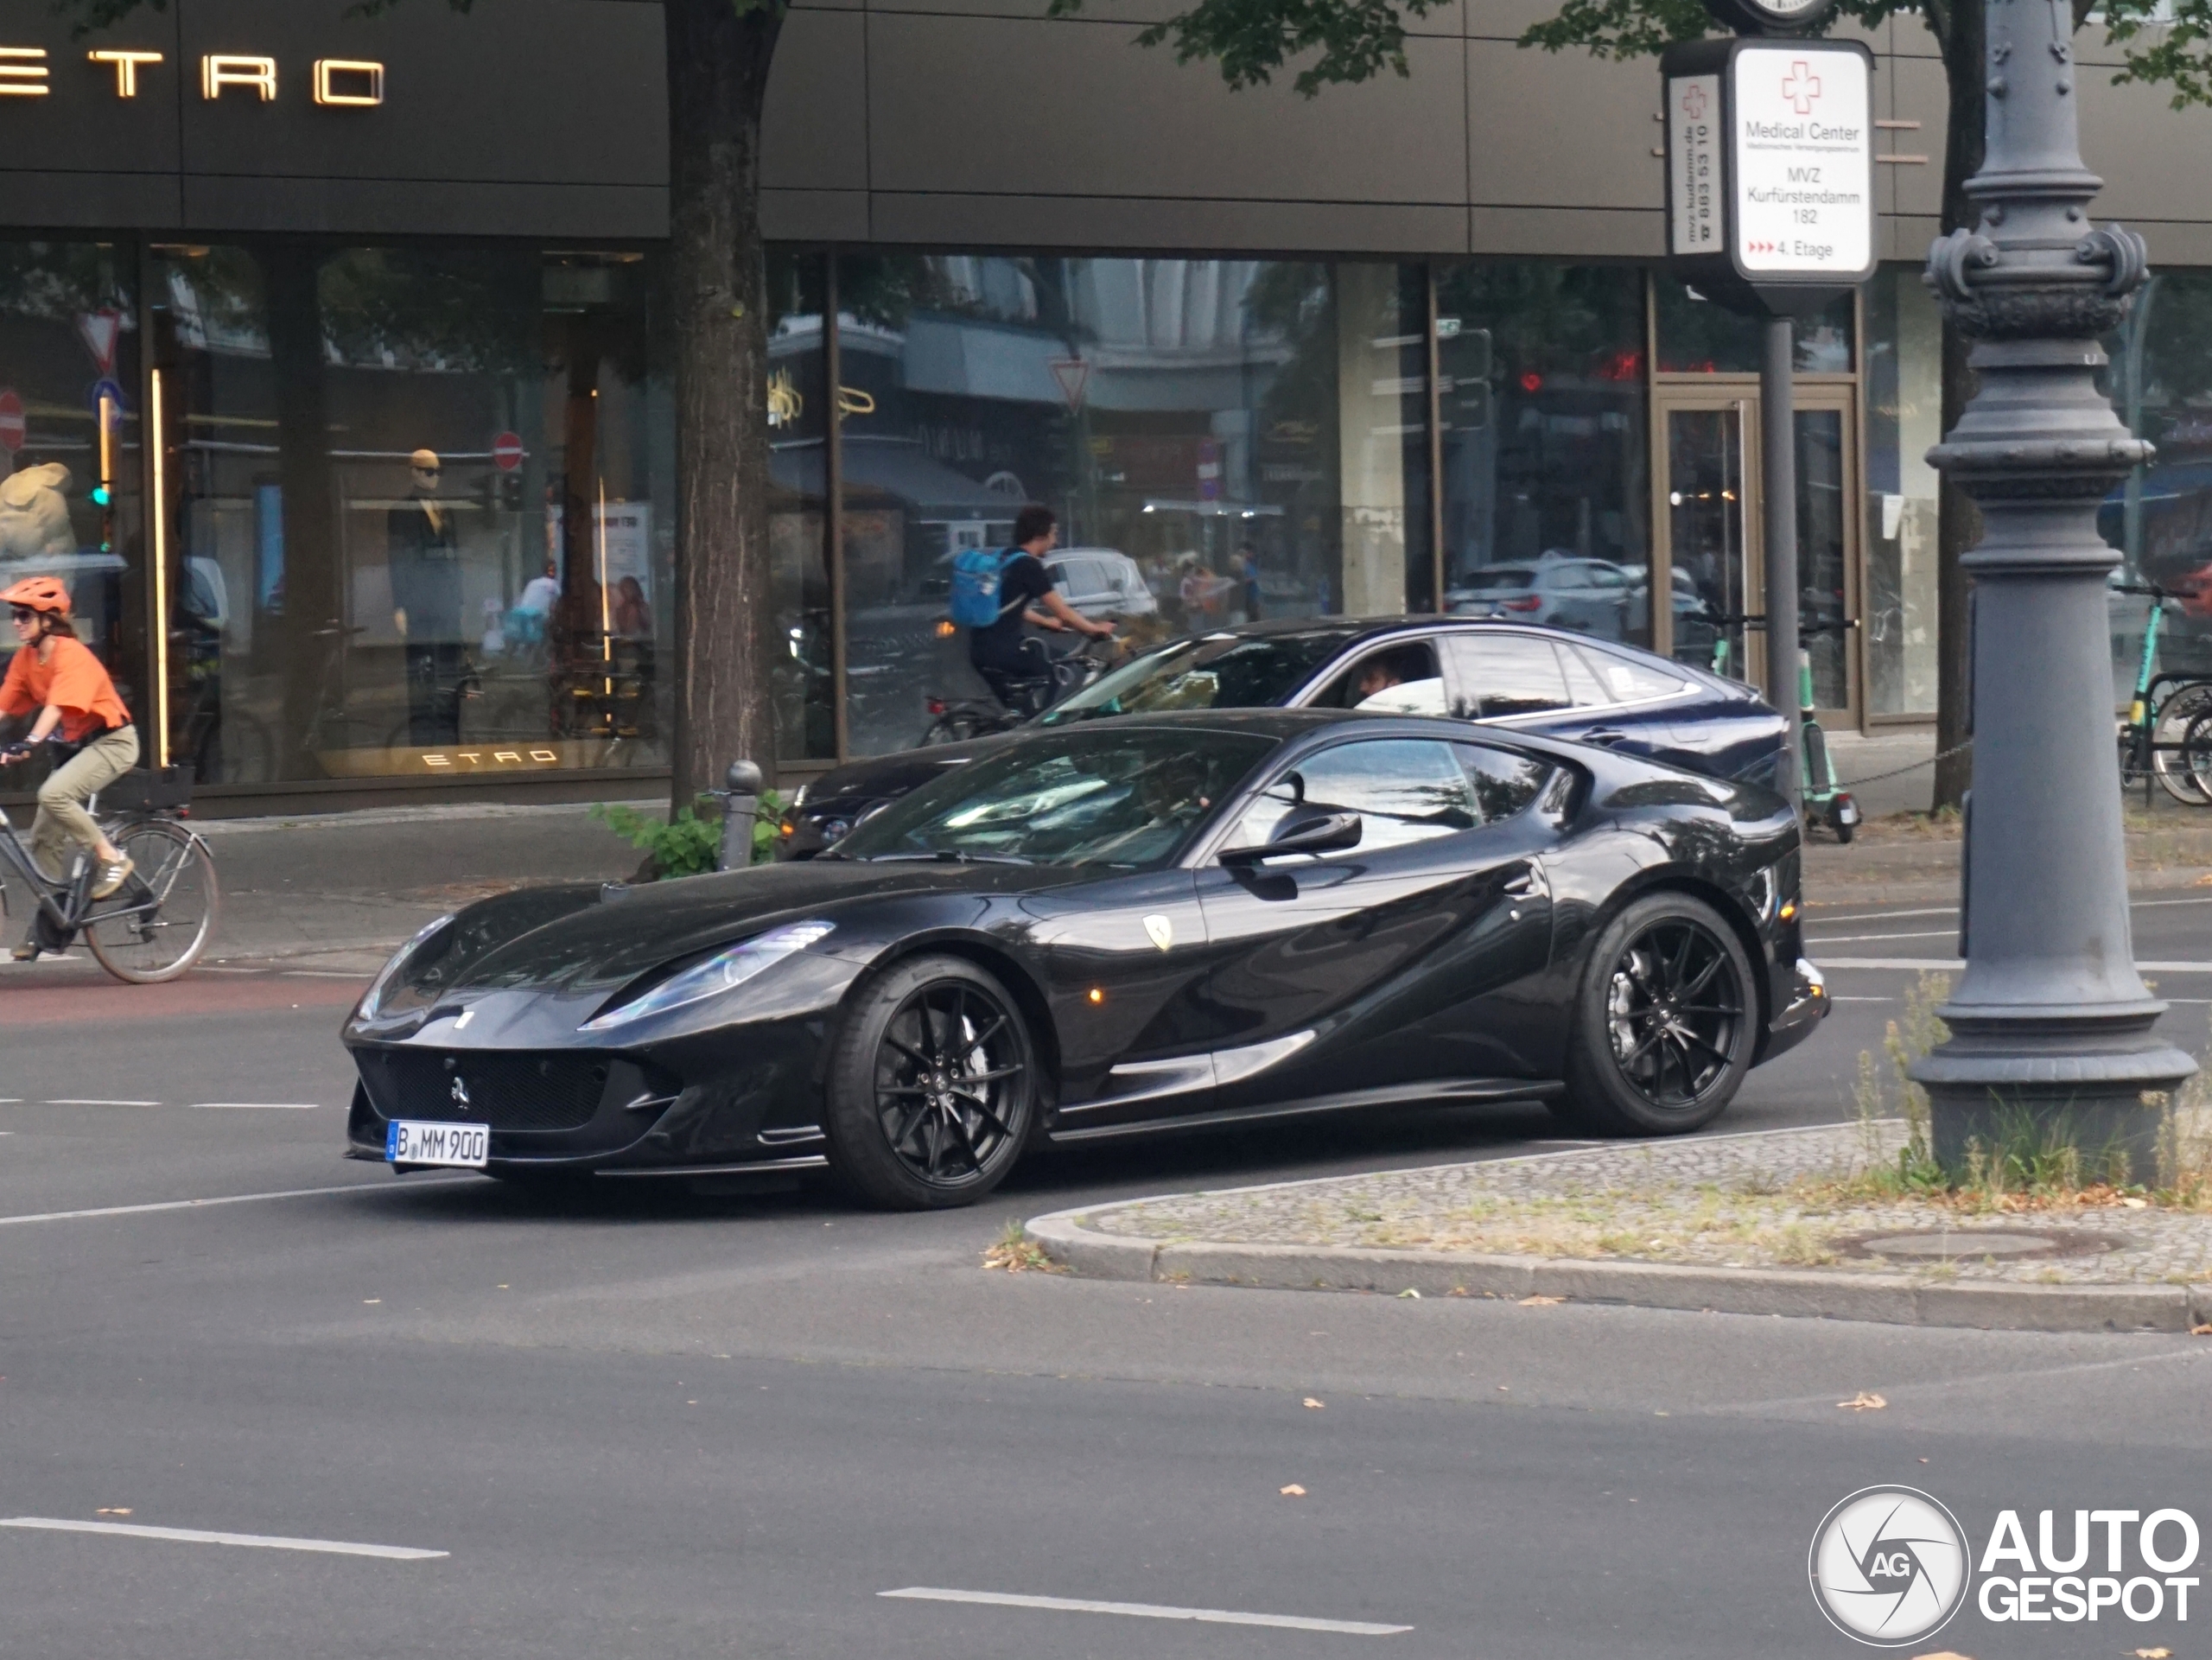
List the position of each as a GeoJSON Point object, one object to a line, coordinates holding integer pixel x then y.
{"type": "Point", "coordinates": [406, 1142]}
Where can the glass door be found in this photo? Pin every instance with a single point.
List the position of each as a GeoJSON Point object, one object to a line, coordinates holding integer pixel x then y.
{"type": "Point", "coordinates": [1711, 555]}
{"type": "Point", "coordinates": [1709, 535]}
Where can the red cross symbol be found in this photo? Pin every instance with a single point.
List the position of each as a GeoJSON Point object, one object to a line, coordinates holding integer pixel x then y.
{"type": "Point", "coordinates": [1693, 102]}
{"type": "Point", "coordinates": [1802, 86]}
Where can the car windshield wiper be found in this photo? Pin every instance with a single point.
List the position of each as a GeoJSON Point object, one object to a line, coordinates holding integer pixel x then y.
{"type": "Point", "coordinates": [949, 856]}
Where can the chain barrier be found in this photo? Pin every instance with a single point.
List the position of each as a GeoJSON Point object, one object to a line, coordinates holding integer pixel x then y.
{"type": "Point", "coordinates": [1899, 772]}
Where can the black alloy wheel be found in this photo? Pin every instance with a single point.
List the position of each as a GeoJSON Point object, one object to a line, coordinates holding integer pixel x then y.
{"type": "Point", "coordinates": [932, 1086]}
{"type": "Point", "coordinates": [1665, 1023]}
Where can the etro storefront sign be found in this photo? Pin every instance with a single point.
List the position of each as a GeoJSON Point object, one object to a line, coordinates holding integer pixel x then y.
{"type": "Point", "coordinates": [338, 83]}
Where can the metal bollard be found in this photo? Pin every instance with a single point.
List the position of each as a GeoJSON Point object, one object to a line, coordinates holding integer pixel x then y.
{"type": "Point", "coordinates": [741, 802]}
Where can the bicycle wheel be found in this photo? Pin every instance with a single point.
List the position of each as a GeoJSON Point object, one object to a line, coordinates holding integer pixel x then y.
{"type": "Point", "coordinates": [2182, 707]}
{"type": "Point", "coordinates": [2196, 756]}
{"type": "Point", "coordinates": [156, 926]}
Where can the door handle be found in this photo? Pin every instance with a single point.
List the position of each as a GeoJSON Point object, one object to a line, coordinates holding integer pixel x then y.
{"type": "Point", "coordinates": [1604, 734]}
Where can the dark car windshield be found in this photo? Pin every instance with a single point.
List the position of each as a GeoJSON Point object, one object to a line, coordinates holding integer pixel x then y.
{"type": "Point", "coordinates": [1215, 671]}
{"type": "Point", "coordinates": [1110, 796]}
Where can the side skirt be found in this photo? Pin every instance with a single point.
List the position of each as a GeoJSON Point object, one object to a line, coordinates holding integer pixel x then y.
{"type": "Point", "coordinates": [1439, 1090]}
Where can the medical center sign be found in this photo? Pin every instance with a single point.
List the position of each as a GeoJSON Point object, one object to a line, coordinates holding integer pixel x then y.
{"type": "Point", "coordinates": [1770, 164]}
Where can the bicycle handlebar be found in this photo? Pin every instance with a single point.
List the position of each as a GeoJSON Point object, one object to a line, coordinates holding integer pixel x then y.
{"type": "Point", "coordinates": [1805, 630]}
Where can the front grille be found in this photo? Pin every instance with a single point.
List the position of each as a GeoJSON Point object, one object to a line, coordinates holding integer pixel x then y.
{"type": "Point", "coordinates": [507, 1091]}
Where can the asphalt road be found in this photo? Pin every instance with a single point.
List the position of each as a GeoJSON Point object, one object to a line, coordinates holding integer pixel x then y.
{"type": "Point", "coordinates": [653, 1424]}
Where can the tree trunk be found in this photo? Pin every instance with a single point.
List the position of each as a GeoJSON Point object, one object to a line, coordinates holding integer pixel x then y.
{"type": "Point", "coordinates": [718, 62]}
{"type": "Point", "coordinates": [1958, 520]}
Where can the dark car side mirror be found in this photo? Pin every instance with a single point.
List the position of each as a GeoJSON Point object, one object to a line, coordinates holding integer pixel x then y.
{"type": "Point", "coordinates": [1330, 832]}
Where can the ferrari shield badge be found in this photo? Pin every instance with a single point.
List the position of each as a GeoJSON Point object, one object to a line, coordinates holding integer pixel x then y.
{"type": "Point", "coordinates": [1162, 930]}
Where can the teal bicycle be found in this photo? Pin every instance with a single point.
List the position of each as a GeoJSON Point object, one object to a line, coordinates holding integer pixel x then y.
{"type": "Point", "coordinates": [2160, 741]}
{"type": "Point", "coordinates": [1822, 793]}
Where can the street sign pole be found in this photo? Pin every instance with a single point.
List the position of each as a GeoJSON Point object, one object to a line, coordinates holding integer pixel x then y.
{"type": "Point", "coordinates": [1770, 201]}
{"type": "Point", "coordinates": [2052, 1043]}
{"type": "Point", "coordinates": [1778, 527]}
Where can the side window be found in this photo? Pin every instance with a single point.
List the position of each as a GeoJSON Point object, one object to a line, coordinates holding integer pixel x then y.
{"type": "Point", "coordinates": [1404, 789]}
{"type": "Point", "coordinates": [1504, 783]}
{"type": "Point", "coordinates": [1506, 674]}
{"type": "Point", "coordinates": [1629, 681]}
{"type": "Point", "coordinates": [1402, 680]}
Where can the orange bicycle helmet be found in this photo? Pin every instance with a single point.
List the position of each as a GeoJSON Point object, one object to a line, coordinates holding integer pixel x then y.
{"type": "Point", "coordinates": [39, 593]}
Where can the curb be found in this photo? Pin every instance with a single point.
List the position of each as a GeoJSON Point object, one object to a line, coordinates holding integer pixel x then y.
{"type": "Point", "coordinates": [1884, 1299]}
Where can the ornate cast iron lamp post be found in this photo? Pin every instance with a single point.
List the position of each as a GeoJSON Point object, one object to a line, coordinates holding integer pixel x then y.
{"type": "Point", "coordinates": [2051, 1026]}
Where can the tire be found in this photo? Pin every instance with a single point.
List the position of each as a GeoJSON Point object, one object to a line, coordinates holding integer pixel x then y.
{"type": "Point", "coordinates": [157, 925]}
{"type": "Point", "coordinates": [1631, 1072]}
{"type": "Point", "coordinates": [2182, 708]}
{"type": "Point", "coordinates": [2197, 753]}
{"type": "Point", "coordinates": [904, 1134]}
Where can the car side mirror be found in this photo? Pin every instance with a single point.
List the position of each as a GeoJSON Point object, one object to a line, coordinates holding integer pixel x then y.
{"type": "Point", "coordinates": [1330, 832]}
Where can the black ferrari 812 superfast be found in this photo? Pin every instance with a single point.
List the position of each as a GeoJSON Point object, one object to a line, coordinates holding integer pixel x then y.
{"type": "Point", "coordinates": [1117, 928]}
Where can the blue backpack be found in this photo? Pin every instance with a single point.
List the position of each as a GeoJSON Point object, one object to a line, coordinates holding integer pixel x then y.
{"type": "Point", "coordinates": [976, 574]}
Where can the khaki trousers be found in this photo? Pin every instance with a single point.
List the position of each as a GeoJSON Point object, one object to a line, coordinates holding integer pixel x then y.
{"type": "Point", "coordinates": [62, 817]}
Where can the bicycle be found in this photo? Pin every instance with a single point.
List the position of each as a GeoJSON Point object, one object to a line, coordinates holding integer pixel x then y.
{"type": "Point", "coordinates": [956, 720]}
{"type": "Point", "coordinates": [157, 924]}
{"type": "Point", "coordinates": [2154, 738]}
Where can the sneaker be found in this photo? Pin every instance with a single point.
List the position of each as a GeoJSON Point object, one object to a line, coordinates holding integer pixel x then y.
{"type": "Point", "coordinates": [112, 876]}
{"type": "Point", "coordinates": [26, 952]}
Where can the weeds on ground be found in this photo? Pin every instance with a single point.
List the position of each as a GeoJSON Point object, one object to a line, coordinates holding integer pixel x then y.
{"type": "Point", "coordinates": [689, 844]}
{"type": "Point", "coordinates": [1017, 1253]}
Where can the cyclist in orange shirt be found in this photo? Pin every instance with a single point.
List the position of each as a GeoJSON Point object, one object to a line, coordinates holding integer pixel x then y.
{"type": "Point", "coordinates": [55, 675]}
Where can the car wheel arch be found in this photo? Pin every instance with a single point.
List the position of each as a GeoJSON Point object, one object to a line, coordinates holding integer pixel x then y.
{"type": "Point", "coordinates": [994, 960]}
{"type": "Point", "coordinates": [1728, 906]}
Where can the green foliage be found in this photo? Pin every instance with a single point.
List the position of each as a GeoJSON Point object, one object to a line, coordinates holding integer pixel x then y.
{"type": "Point", "coordinates": [1345, 40]}
{"type": "Point", "coordinates": [689, 843]}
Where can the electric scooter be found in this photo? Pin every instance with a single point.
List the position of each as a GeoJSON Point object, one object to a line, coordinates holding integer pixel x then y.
{"type": "Point", "coordinates": [1822, 792]}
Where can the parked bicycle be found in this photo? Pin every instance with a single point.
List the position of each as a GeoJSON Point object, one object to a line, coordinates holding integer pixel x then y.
{"type": "Point", "coordinates": [2154, 740]}
{"type": "Point", "coordinates": [956, 720]}
{"type": "Point", "coordinates": [157, 924]}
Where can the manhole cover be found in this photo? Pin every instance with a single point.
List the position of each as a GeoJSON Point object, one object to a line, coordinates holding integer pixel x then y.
{"type": "Point", "coordinates": [2007, 1245]}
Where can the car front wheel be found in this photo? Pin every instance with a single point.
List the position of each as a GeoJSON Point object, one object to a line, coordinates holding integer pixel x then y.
{"type": "Point", "coordinates": [932, 1086]}
{"type": "Point", "coordinates": [1665, 1021]}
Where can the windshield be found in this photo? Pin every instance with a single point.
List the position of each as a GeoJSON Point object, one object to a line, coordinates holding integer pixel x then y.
{"type": "Point", "coordinates": [1217, 672]}
{"type": "Point", "coordinates": [1107, 797]}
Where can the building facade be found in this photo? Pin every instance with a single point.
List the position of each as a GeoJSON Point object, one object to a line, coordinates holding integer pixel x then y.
{"type": "Point", "coordinates": [1405, 346]}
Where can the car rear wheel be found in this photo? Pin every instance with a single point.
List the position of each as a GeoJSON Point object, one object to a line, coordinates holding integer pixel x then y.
{"type": "Point", "coordinates": [932, 1086]}
{"type": "Point", "coordinates": [1665, 1021]}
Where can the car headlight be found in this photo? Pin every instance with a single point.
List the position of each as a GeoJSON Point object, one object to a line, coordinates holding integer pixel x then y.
{"type": "Point", "coordinates": [799, 799]}
{"type": "Point", "coordinates": [374, 999]}
{"type": "Point", "coordinates": [718, 974]}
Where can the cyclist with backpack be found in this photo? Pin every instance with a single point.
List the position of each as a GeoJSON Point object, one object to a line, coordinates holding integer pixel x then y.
{"type": "Point", "coordinates": [995, 593]}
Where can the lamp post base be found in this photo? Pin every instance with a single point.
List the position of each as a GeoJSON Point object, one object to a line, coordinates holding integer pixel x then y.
{"type": "Point", "coordinates": [2076, 1091]}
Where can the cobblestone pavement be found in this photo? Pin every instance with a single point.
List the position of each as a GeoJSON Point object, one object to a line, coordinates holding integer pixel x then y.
{"type": "Point", "coordinates": [1770, 1199]}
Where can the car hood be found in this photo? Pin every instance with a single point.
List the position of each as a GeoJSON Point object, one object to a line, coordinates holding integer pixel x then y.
{"type": "Point", "coordinates": [587, 939]}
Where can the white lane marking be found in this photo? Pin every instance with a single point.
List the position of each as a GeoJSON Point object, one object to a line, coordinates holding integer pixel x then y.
{"type": "Point", "coordinates": [1887, 916]}
{"type": "Point", "coordinates": [66, 1101]}
{"type": "Point", "coordinates": [254, 1106]}
{"type": "Point", "coordinates": [1147, 1610]}
{"type": "Point", "coordinates": [1860, 939]}
{"type": "Point", "coordinates": [1834, 999]}
{"type": "Point", "coordinates": [196, 1537]}
{"type": "Point", "coordinates": [1951, 962]}
{"type": "Point", "coordinates": [231, 1199]}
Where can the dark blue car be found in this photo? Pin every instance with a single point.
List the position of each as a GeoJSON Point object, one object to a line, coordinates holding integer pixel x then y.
{"type": "Point", "coordinates": [1546, 680]}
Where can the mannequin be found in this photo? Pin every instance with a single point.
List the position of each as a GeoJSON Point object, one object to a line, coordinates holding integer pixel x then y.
{"type": "Point", "coordinates": [425, 560]}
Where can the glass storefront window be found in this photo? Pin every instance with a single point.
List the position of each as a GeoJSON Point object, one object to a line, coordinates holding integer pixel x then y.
{"type": "Point", "coordinates": [1546, 462]}
{"type": "Point", "coordinates": [1904, 420]}
{"type": "Point", "coordinates": [1697, 337]}
{"type": "Point", "coordinates": [1223, 440]}
{"type": "Point", "coordinates": [68, 336]}
{"type": "Point", "coordinates": [802, 670]}
{"type": "Point", "coordinates": [422, 504]}
{"type": "Point", "coordinates": [2160, 518]}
